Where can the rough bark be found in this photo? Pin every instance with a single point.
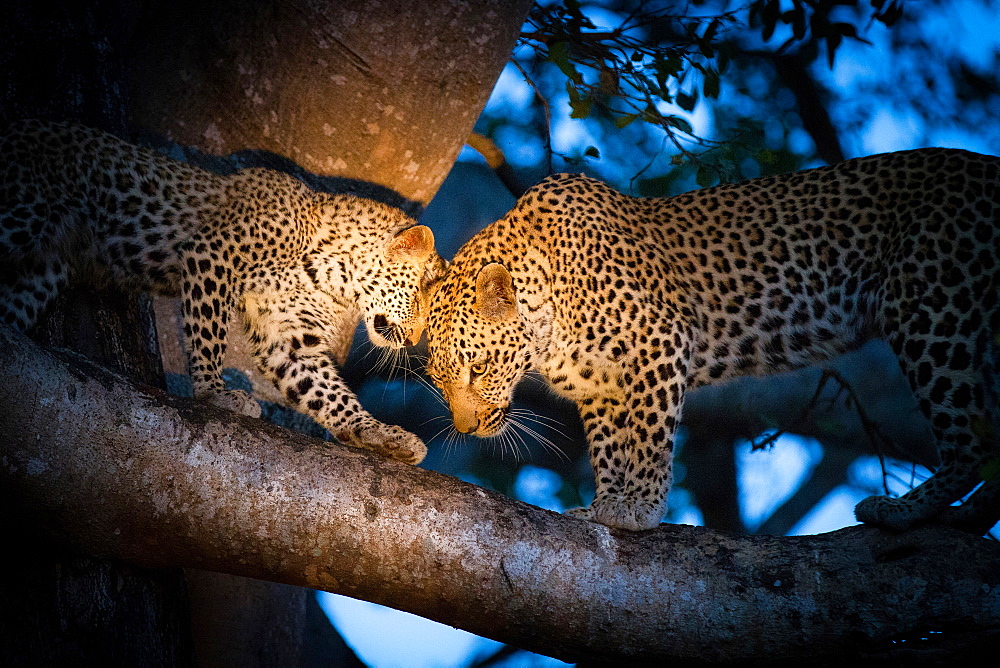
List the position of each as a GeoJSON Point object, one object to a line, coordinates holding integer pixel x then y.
{"type": "Point", "coordinates": [376, 91]}
{"type": "Point", "coordinates": [130, 473]}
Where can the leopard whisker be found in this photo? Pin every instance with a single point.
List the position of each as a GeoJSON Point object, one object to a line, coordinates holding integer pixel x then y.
{"type": "Point", "coordinates": [440, 431]}
{"type": "Point", "coordinates": [517, 420]}
{"type": "Point", "coordinates": [506, 442]}
{"type": "Point", "coordinates": [518, 440]}
{"type": "Point", "coordinates": [435, 392]}
{"type": "Point", "coordinates": [509, 439]}
{"type": "Point", "coordinates": [435, 418]}
{"type": "Point", "coordinates": [371, 348]}
{"type": "Point", "coordinates": [452, 439]}
{"type": "Point", "coordinates": [547, 421]}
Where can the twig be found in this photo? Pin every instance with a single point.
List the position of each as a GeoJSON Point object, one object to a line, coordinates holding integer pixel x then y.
{"type": "Point", "coordinates": [545, 109]}
{"type": "Point", "coordinates": [875, 436]}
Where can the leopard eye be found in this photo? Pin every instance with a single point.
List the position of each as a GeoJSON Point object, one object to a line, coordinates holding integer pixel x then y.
{"type": "Point", "coordinates": [477, 370]}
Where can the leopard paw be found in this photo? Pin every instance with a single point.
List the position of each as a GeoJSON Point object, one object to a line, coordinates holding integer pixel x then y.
{"type": "Point", "coordinates": [619, 513]}
{"type": "Point", "coordinates": [883, 511]}
{"type": "Point", "coordinates": [237, 401]}
{"type": "Point", "coordinates": [387, 440]}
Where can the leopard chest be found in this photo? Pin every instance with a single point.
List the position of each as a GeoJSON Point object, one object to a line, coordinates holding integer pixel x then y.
{"type": "Point", "coordinates": [576, 374]}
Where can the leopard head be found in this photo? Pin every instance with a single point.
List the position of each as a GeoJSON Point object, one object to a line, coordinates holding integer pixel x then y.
{"type": "Point", "coordinates": [479, 347]}
{"type": "Point", "coordinates": [396, 294]}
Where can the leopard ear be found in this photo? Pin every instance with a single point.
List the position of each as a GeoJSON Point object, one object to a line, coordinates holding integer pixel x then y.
{"type": "Point", "coordinates": [495, 298]}
{"type": "Point", "coordinates": [415, 243]}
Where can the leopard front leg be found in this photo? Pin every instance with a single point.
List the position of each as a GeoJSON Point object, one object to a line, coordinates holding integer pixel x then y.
{"type": "Point", "coordinates": [293, 337]}
{"type": "Point", "coordinates": [632, 476]}
{"type": "Point", "coordinates": [206, 305]}
{"type": "Point", "coordinates": [631, 444]}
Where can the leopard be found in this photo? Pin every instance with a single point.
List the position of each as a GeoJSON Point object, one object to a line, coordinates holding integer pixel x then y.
{"type": "Point", "coordinates": [299, 267]}
{"type": "Point", "coordinates": [623, 304]}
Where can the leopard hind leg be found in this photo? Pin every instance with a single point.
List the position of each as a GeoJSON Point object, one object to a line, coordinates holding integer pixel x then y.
{"type": "Point", "coordinates": [28, 285]}
{"type": "Point", "coordinates": [947, 362]}
{"type": "Point", "coordinates": [981, 510]}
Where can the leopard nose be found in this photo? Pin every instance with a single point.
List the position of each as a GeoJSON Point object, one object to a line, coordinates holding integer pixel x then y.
{"type": "Point", "coordinates": [467, 424]}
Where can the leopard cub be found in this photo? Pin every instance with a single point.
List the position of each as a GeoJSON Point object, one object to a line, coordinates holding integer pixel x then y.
{"type": "Point", "coordinates": [302, 267]}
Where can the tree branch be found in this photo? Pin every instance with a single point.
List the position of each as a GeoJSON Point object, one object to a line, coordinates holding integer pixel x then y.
{"type": "Point", "coordinates": [126, 472]}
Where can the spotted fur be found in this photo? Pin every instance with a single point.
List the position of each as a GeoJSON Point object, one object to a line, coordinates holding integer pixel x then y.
{"type": "Point", "coordinates": [302, 267]}
{"type": "Point", "coordinates": [623, 304]}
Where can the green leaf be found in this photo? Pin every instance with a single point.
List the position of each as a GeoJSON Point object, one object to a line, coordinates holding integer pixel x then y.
{"type": "Point", "coordinates": [765, 157]}
{"type": "Point", "coordinates": [625, 119]}
{"type": "Point", "coordinates": [687, 102]}
{"type": "Point", "coordinates": [581, 107]}
{"type": "Point", "coordinates": [845, 29]}
{"type": "Point", "coordinates": [704, 42]}
{"type": "Point", "coordinates": [830, 426]}
{"type": "Point", "coordinates": [725, 56]}
{"type": "Point", "coordinates": [798, 22]}
{"type": "Point", "coordinates": [770, 12]}
{"type": "Point", "coordinates": [666, 68]}
{"type": "Point", "coordinates": [832, 42]}
{"type": "Point", "coordinates": [579, 104]}
{"type": "Point", "coordinates": [679, 123]}
{"type": "Point", "coordinates": [891, 14]}
{"type": "Point", "coordinates": [559, 54]}
{"type": "Point", "coordinates": [608, 82]}
{"type": "Point", "coordinates": [705, 176]}
{"type": "Point", "coordinates": [711, 30]}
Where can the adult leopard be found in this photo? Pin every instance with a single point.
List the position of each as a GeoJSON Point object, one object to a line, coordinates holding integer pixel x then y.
{"type": "Point", "coordinates": [301, 266]}
{"type": "Point", "coordinates": [623, 304]}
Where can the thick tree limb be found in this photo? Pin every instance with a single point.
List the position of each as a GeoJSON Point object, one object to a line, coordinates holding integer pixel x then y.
{"type": "Point", "coordinates": [133, 474]}
{"type": "Point", "coordinates": [376, 91]}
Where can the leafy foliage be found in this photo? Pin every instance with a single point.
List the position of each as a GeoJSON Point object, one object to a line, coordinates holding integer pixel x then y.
{"type": "Point", "coordinates": [816, 18]}
{"type": "Point", "coordinates": [655, 62]}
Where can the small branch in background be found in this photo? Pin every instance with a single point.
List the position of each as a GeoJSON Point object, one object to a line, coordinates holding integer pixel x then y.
{"type": "Point", "coordinates": [496, 160]}
{"type": "Point", "coordinates": [794, 72]}
{"type": "Point", "coordinates": [875, 435]}
{"type": "Point", "coordinates": [545, 110]}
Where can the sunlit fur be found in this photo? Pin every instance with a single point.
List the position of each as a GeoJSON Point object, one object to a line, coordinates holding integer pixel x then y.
{"type": "Point", "coordinates": [301, 267]}
{"type": "Point", "coordinates": [623, 304]}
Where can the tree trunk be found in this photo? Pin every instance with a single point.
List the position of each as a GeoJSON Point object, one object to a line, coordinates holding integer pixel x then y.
{"type": "Point", "coordinates": [62, 60]}
{"type": "Point", "coordinates": [378, 94]}
{"type": "Point", "coordinates": [130, 473]}
{"type": "Point", "coordinates": [376, 91]}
